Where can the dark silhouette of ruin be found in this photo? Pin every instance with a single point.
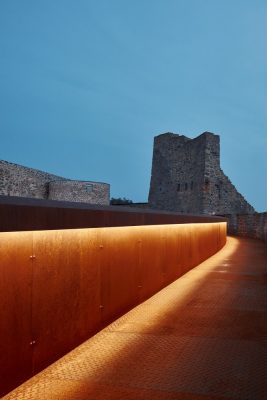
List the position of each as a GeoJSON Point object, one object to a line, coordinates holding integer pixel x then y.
{"type": "Point", "coordinates": [186, 177]}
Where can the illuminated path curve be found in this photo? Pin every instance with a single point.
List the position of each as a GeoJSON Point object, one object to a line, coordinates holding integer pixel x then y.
{"type": "Point", "coordinates": [202, 337]}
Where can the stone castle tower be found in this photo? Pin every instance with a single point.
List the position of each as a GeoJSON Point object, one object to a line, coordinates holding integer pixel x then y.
{"type": "Point", "coordinates": [186, 177]}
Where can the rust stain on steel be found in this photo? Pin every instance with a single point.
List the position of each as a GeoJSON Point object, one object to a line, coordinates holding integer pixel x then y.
{"type": "Point", "coordinates": [82, 279]}
{"type": "Point", "coordinates": [66, 292]}
{"type": "Point", "coordinates": [118, 262]}
{"type": "Point", "coordinates": [15, 310]}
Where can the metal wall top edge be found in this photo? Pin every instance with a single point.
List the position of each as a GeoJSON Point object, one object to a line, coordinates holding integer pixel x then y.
{"type": "Point", "coordinates": [19, 214]}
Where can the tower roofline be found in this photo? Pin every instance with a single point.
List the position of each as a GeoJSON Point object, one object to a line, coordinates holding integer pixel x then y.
{"type": "Point", "coordinates": [171, 134]}
{"type": "Point", "coordinates": [207, 133]}
{"type": "Point", "coordinates": [178, 135]}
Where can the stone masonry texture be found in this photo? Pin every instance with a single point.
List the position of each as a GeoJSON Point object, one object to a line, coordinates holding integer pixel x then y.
{"type": "Point", "coordinates": [248, 225]}
{"type": "Point", "coordinates": [17, 180]}
{"type": "Point", "coordinates": [186, 177]}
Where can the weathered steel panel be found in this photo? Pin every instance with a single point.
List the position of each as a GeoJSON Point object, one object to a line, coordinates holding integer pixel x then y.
{"type": "Point", "coordinates": [176, 251]}
{"type": "Point", "coordinates": [119, 258]}
{"type": "Point", "coordinates": [15, 309]}
{"type": "Point", "coordinates": [152, 259]}
{"type": "Point", "coordinates": [66, 292]}
{"type": "Point", "coordinates": [79, 280]}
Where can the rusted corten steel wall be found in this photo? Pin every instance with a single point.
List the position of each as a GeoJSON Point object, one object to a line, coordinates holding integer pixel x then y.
{"type": "Point", "coordinates": [17, 214]}
{"type": "Point", "coordinates": [57, 288]}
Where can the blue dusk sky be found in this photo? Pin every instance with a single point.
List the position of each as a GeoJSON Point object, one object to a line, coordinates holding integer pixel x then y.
{"type": "Point", "coordinates": [87, 84]}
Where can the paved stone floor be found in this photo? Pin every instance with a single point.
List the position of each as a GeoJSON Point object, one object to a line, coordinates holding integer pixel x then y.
{"type": "Point", "coordinates": [202, 337]}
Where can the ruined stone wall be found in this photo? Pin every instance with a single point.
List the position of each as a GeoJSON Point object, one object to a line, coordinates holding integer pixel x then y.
{"type": "Point", "coordinates": [248, 225]}
{"type": "Point", "coordinates": [17, 180]}
{"type": "Point", "coordinates": [82, 191]}
{"type": "Point", "coordinates": [177, 174]}
{"type": "Point", "coordinates": [220, 195]}
{"type": "Point", "coordinates": [186, 177]}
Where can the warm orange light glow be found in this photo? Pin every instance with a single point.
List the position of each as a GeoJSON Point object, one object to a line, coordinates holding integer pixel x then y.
{"type": "Point", "coordinates": [114, 357]}
{"type": "Point", "coordinates": [77, 281]}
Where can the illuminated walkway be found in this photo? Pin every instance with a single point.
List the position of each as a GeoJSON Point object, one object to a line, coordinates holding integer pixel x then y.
{"type": "Point", "coordinates": [203, 337]}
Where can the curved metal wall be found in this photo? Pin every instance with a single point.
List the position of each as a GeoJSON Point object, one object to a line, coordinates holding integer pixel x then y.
{"type": "Point", "coordinates": [18, 214]}
{"type": "Point", "coordinates": [57, 288]}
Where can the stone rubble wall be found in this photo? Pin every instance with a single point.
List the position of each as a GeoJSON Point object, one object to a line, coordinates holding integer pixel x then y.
{"type": "Point", "coordinates": [21, 181]}
{"type": "Point", "coordinates": [186, 177]}
{"type": "Point", "coordinates": [248, 225]}
{"type": "Point", "coordinates": [17, 180]}
{"type": "Point", "coordinates": [85, 192]}
{"type": "Point", "coordinates": [221, 196]}
{"type": "Point", "coordinates": [177, 174]}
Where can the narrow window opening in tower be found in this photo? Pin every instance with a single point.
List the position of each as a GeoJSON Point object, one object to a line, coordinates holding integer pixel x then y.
{"type": "Point", "coordinates": [89, 187]}
{"type": "Point", "coordinates": [185, 186]}
{"type": "Point", "coordinates": [192, 185]}
{"type": "Point", "coordinates": [178, 187]}
{"type": "Point", "coordinates": [218, 187]}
